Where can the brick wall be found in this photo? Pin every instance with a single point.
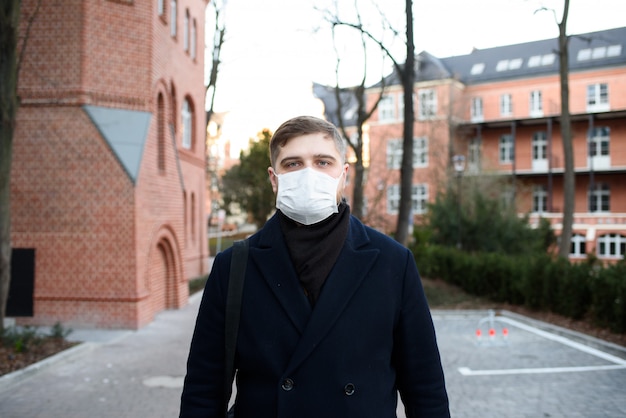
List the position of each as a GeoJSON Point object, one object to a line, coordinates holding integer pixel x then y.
{"type": "Point", "coordinates": [111, 250]}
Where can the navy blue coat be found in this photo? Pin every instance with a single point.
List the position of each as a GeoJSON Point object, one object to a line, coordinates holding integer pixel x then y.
{"type": "Point", "coordinates": [369, 336]}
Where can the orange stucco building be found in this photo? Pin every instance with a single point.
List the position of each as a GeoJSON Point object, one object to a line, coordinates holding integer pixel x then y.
{"type": "Point", "coordinates": [500, 108]}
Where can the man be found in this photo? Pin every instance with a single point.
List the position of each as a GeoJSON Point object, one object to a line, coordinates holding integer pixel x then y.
{"type": "Point", "coordinates": [334, 321]}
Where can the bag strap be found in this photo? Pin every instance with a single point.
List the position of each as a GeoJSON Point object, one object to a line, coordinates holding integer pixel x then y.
{"type": "Point", "coordinates": [233, 310]}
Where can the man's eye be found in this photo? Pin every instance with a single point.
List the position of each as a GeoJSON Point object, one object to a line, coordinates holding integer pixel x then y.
{"type": "Point", "coordinates": [323, 163]}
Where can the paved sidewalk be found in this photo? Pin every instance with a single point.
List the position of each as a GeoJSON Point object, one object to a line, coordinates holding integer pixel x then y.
{"type": "Point", "coordinates": [537, 370]}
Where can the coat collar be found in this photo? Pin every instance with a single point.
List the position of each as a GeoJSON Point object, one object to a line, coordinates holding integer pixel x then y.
{"type": "Point", "coordinates": [354, 261]}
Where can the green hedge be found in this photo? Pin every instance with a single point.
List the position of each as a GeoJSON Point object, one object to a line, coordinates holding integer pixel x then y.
{"type": "Point", "coordinates": [538, 281]}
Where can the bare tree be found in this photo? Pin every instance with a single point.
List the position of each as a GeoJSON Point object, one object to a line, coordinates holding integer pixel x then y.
{"type": "Point", "coordinates": [219, 31]}
{"type": "Point", "coordinates": [343, 97]}
{"type": "Point", "coordinates": [9, 102]}
{"type": "Point", "coordinates": [569, 178]}
{"type": "Point", "coordinates": [407, 74]}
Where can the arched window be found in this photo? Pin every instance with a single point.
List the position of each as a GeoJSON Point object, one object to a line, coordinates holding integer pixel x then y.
{"type": "Point", "coordinates": [161, 133]}
{"type": "Point", "coordinates": [187, 125]}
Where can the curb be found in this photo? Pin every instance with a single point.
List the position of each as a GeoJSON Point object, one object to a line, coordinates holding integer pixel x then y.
{"type": "Point", "coordinates": [18, 376]}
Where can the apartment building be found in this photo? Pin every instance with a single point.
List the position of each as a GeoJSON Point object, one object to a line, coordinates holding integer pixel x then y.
{"type": "Point", "coordinates": [500, 109]}
{"type": "Point", "coordinates": [108, 174]}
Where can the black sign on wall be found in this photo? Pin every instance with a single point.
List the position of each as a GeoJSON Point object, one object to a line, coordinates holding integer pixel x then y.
{"type": "Point", "coordinates": [22, 287]}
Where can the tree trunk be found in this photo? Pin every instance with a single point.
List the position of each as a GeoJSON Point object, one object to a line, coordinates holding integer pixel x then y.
{"type": "Point", "coordinates": [9, 21]}
{"type": "Point", "coordinates": [406, 170]}
{"type": "Point", "coordinates": [359, 171]}
{"type": "Point", "coordinates": [569, 180]}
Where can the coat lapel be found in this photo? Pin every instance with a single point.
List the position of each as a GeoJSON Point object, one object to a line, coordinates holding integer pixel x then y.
{"type": "Point", "coordinates": [272, 259]}
{"type": "Point", "coordinates": [345, 278]}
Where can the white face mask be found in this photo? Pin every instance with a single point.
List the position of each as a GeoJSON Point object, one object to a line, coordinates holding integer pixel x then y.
{"type": "Point", "coordinates": [307, 196]}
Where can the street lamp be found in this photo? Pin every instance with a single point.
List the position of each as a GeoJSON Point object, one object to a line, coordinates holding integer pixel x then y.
{"type": "Point", "coordinates": [459, 166]}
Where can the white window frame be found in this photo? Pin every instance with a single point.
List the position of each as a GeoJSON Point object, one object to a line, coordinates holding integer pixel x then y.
{"type": "Point", "coordinates": [536, 104]}
{"type": "Point", "coordinates": [506, 151]}
{"type": "Point", "coordinates": [160, 7]}
{"type": "Point", "coordinates": [599, 198]}
{"type": "Point", "coordinates": [186, 125]}
{"type": "Point", "coordinates": [506, 104]}
{"type": "Point", "coordinates": [598, 97]}
{"type": "Point", "coordinates": [539, 148]}
{"type": "Point", "coordinates": [427, 104]}
{"type": "Point", "coordinates": [578, 247]}
{"type": "Point", "coordinates": [394, 153]}
{"type": "Point", "coordinates": [540, 199]}
{"type": "Point", "coordinates": [393, 199]}
{"type": "Point", "coordinates": [173, 17]}
{"type": "Point", "coordinates": [387, 108]}
{"type": "Point", "coordinates": [611, 246]}
{"type": "Point", "coordinates": [476, 109]}
{"type": "Point", "coordinates": [419, 199]}
{"type": "Point", "coordinates": [599, 149]}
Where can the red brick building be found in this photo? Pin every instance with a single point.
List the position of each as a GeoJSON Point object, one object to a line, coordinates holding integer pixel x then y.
{"type": "Point", "coordinates": [108, 175]}
{"type": "Point", "coordinates": [500, 108]}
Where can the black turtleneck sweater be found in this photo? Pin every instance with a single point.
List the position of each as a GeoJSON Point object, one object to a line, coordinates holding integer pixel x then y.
{"type": "Point", "coordinates": [314, 249]}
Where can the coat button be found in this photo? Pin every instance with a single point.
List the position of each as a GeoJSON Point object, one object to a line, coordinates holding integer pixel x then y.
{"type": "Point", "coordinates": [349, 389]}
{"type": "Point", "coordinates": [287, 385]}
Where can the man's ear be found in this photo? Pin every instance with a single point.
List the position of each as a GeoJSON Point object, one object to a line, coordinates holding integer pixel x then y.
{"type": "Point", "coordinates": [273, 179]}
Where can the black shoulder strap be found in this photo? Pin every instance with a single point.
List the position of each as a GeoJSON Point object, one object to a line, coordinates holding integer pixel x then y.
{"type": "Point", "coordinates": [233, 310]}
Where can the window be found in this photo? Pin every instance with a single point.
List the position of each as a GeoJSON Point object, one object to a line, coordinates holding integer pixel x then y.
{"type": "Point", "coordinates": [536, 105]}
{"type": "Point", "coordinates": [541, 60]}
{"type": "Point", "coordinates": [540, 199]}
{"type": "Point", "coordinates": [579, 246]}
{"type": "Point", "coordinates": [599, 52]}
{"type": "Point", "coordinates": [540, 146]}
{"type": "Point", "coordinates": [477, 109]}
{"type": "Point", "coordinates": [597, 97]}
{"type": "Point", "coordinates": [394, 153]}
{"type": "Point", "coordinates": [427, 104]}
{"type": "Point", "coordinates": [420, 152]}
{"type": "Point", "coordinates": [161, 133]}
{"type": "Point", "coordinates": [173, 7]}
{"type": "Point", "coordinates": [599, 142]}
{"type": "Point", "coordinates": [160, 7]}
{"type": "Point", "coordinates": [186, 30]}
{"type": "Point", "coordinates": [194, 36]}
{"type": "Point", "coordinates": [387, 108]}
{"type": "Point", "coordinates": [513, 64]}
{"type": "Point", "coordinates": [612, 245]}
{"type": "Point", "coordinates": [478, 68]}
{"type": "Point", "coordinates": [186, 124]}
{"type": "Point", "coordinates": [473, 155]}
{"type": "Point", "coordinates": [419, 198]}
{"type": "Point", "coordinates": [507, 149]}
{"type": "Point", "coordinates": [506, 105]}
{"type": "Point", "coordinates": [599, 198]}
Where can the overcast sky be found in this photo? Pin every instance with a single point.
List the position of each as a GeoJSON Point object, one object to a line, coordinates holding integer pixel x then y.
{"type": "Point", "coordinates": [272, 52]}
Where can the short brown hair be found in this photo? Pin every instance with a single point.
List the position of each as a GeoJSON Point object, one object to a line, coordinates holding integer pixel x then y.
{"type": "Point", "coordinates": [304, 125]}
